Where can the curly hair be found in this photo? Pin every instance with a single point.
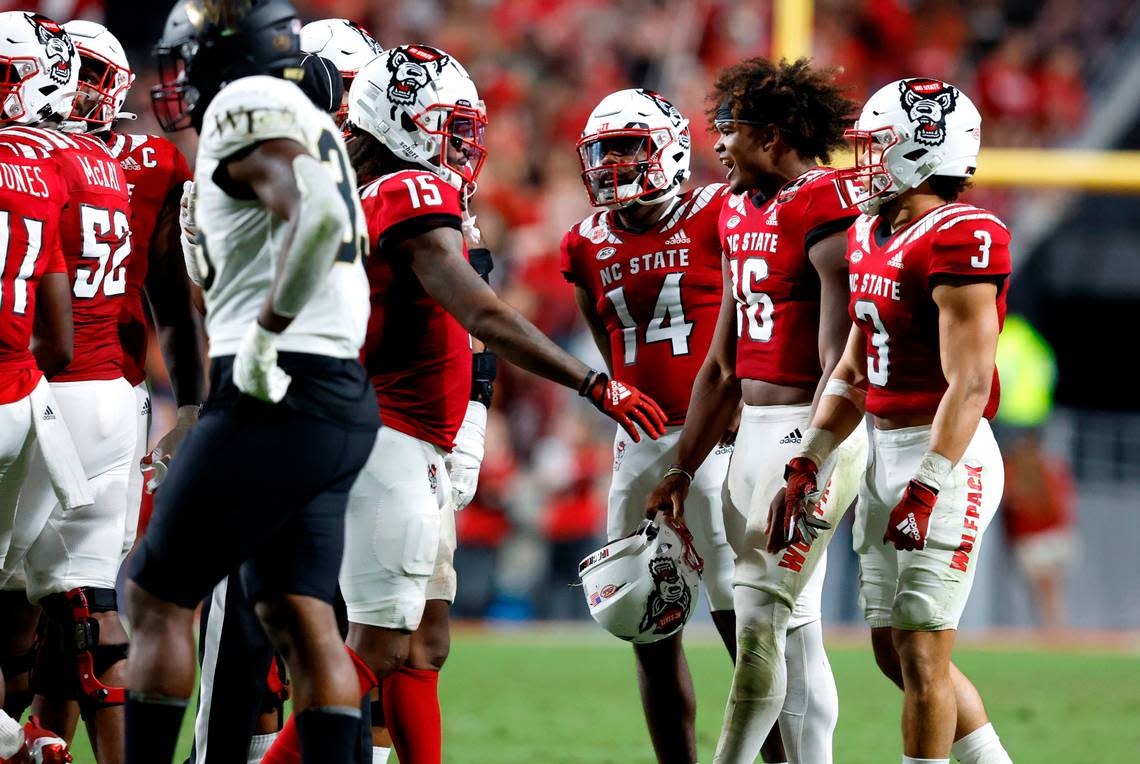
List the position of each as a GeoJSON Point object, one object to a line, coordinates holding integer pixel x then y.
{"type": "Point", "coordinates": [805, 103]}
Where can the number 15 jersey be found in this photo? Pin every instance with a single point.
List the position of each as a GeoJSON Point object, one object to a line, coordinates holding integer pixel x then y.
{"type": "Point", "coordinates": [658, 292]}
{"type": "Point", "coordinates": [892, 278]}
{"type": "Point", "coordinates": [242, 237]}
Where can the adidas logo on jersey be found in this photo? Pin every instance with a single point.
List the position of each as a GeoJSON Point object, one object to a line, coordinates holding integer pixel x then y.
{"type": "Point", "coordinates": [48, 413]}
{"type": "Point", "coordinates": [896, 260]}
{"type": "Point", "coordinates": [678, 238]}
{"type": "Point", "coordinates": [772, 216]}
{"type": "Point", "coordinates": [795, 436]}
{"type": "Point", "coordinates": [146, 407]}
{"type": "Point", "coordinates": [130, 164]}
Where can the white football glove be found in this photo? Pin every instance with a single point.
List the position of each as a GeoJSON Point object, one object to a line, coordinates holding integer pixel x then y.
{"type": "Point", "coordinates": [155, 464]}
{"type": "Point", "coordinates": [191, 250]}
{"type": "Point", "coordinates": [464, 460]}
{"type": "Point", "coordinates": [256, 372]}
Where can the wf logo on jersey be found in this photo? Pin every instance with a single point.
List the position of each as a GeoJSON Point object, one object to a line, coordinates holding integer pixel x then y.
{"type": "Point", "coordinates": [408, 67]}
{"type": "Point", "coordinates": [60, 49]}
{"type": "Point", "coordinates": [670, 600]}
{"type": "Point", "coordinates": [927, 102]}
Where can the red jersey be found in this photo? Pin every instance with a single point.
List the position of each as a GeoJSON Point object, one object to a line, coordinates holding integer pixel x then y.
{"type": "Point", "coordinates": [417, 354]}
{"type": "Point", "coordinates": [658, 292]}
{"type": "Point", "coordinates": [32, 197]}
{"type": "Point", "coordinates": [96, 237]}
{"type": "Point", "coordinates": [155, 170]}
{"type": "Point", "coordinates": [891, 300]}
{"type": "Point", "coordinates": [775, 284]}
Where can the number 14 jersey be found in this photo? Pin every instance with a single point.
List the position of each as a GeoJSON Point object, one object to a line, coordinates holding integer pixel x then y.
{"type": "Point", "coordinates": [892, 277]}
{"type": "Point", "coordinates": [657, 292]}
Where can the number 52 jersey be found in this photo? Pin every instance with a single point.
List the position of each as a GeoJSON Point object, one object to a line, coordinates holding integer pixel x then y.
{"type": "Point", "coordinates": [242, 237]}
{"type": "Point", "coordinates": [658, 292]}
{"type": "Point", "coordinates": [892, 277]}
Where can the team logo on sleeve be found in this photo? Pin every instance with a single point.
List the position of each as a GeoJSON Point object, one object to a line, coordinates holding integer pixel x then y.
{"type": "Point", "coordinates": [58, 45]}
{"type": "Point", "coordinates": [409, 68]}
{"type": "Point", "coordinates": [670, 600]}
{"type": "Point", "coordinates": [927, 102]}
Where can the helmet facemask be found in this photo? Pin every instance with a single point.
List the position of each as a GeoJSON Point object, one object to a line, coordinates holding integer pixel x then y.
{"type": "Point", "coordinates": [14, 72]}
{"type": "Point", "coordinates": [460, 130]}
{"type": "Point", "coordinates": [623, 166]}
{"type": "Point", "coordinates": [103, 86]}
{"type": "Point", "coordinates": [869, 183]}
{"type": "Point", "coordinates": [174, 97]}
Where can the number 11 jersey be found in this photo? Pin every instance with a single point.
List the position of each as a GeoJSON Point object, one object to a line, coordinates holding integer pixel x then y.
{"type": "Point", "coordinates": [657, 292]}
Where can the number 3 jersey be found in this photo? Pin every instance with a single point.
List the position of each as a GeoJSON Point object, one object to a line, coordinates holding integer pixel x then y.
{"type": "Point", "coordinates": [242, 238]}
{"type": "Point", "coordinates": [417, 354]}
{"type": "Point", "coordinates": [775, 285]}
{"type": "Point", "coordinates": [658, 292]}
{"type": "Point", "coordinates": [96, 239]}
{"type": "Point", "coordinates": [892, 277]}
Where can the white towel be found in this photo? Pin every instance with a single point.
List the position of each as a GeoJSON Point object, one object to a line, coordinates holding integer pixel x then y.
{"type": "Point", "coordinates": [62, 460]}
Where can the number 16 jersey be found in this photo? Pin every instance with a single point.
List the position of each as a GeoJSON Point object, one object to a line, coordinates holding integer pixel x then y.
{"type": "Point", "coordinates": [657, 291]}
{"type": "Point", "coordinates": [242, 238]}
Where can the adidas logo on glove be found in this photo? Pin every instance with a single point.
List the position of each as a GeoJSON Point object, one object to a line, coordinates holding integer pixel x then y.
{"type": "Point", "coordinates": [909, 527]}
{"type": "Point", "coordinates": [795, 436]}
{"type": "Point", "coordinates": [618, 392]}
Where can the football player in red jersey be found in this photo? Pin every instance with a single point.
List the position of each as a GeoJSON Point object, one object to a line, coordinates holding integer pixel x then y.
{"type": "Point", "coordinates": [928, 280]}
{"type": "Point", "coordinates": [646, 272]}
{"type": "Point", "coordinates": [64, 560]}
{"type": "Point", "coordinates": [155, 171]}
{"type": "Point", "coordinates": [415, 130]}
{"type": "Point", "coordinates": [781, 330]}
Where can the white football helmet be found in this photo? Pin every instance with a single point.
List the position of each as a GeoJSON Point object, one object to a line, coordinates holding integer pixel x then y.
{"type": "Point", "coordinates": [643, 587]}
{"type": "Point", "coordinates": [105, 75]}
{"type": "Point", "coordinates": [421, 103]}
{"type": "Point", "coordinates": [39, 69]}
{"type": "Point", "coordinates": [346, 44]}
{"type": "Point", "coordinates": [909, 130]}
{"type": "Point", "coordinates": [635, 148]}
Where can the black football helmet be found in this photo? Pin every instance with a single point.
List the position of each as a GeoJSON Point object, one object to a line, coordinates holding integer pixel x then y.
{"type": "Point", "coordinates": [207, 43]}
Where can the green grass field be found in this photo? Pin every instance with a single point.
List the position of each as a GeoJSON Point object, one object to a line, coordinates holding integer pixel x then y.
{"type": "Point", "coordinates": [542, 696]}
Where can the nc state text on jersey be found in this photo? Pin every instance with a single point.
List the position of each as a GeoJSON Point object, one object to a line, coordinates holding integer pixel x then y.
{"type": "Point", "coordinates": [874, 285]}
{"type": "Point", "coordinates": [23, 179]}
{"type": "Point", "coordinates": [654, 261]}
{"type": "Point", "coordinates": [753, 241]}
{"type": "Point", "coordinates": [101, 173]}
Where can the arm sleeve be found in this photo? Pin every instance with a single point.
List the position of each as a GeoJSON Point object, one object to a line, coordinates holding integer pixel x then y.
{"type": "Point", "coordinates": [411, 203]}
{"type": "Point", "coordinates": [970, 245]}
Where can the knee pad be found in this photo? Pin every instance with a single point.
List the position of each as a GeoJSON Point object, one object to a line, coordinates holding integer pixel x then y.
{"type": "Point", "coordinates": [71, 658]}
{"type": "Point", "coordinates": [915, 611]}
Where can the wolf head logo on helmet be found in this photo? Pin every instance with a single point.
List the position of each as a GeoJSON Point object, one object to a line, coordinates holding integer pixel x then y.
{"type": "Point", "coordinates": [60, 49]}
{"type": "Point", "coordinates": [409, 67]}
{"type": "Point", "coordinates": [927, 102]}
{"type": "Point", "coordinates": [670, 599]}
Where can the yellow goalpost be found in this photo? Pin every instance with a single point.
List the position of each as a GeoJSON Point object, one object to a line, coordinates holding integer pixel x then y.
{"type": "Point", "coordinates": [1107, 171]}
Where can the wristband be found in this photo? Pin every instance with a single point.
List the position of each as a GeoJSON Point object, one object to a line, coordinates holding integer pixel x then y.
{"type": "Point", "coordinates": [933, 469]}
{"type": "Point", "coordinates": [588, 383]}
{"type": "Point", "coordinates": [483, 371]}
{"type": "Point", "coordinates": [817, 445]}
{"type": "Point", "coordinates": [675, 469]}
{"type": "Point", "coordinates": [841, 389]}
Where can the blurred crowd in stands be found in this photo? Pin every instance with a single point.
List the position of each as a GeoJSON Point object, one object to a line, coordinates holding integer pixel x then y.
{"type": "Point", "coordinates": [541, 66]}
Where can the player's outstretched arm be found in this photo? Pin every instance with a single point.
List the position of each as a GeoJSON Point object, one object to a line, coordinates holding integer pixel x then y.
{"type": "Point", "coordinates": [52, 335]}
{"type": "Point", "coordinates": [712, 409]}
{"type": "Point", "coordinates": [437, 259]}
{"type": "Point", "coordinates": [297, 188]}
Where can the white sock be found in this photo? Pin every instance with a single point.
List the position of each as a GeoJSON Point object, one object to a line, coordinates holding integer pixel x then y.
{"type": "Point", "coordinates": [380, 755]}
{"type": "Point", "coordinates": [911, 760]}
{"type": "Point", "coordinates": [811, 706]}
{"type": "Point", "coordinates": [11, 736]}
{"type": "Point", "coordinates": [982, 746]}
{"type": "Point", "coordinates": [258, 746]}
{"type": "Point", "coordinates": [760, 680]}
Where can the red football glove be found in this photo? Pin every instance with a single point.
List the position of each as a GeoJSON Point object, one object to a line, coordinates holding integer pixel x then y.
{"type": "Point", "coordinates": [41, 746]}
{"type": "Point", "coordinates": [790, 518]}
{"type": "Point", "coordinates": [626, 405]}
{"type": "Point", "coordinates": [910, 519]}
